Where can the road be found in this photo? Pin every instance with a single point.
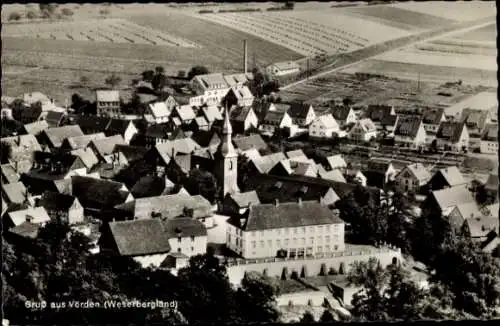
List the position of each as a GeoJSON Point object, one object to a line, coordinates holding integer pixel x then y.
{"type": "Point", "coordinates": [349, 59]}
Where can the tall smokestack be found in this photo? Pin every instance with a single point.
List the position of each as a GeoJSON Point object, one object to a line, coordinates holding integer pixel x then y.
{"type": "Point", "coordinates": [245, 56]}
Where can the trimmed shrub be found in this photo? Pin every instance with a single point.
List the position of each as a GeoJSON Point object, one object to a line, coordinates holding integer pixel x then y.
{"type": "Point", "coordinates": [294, 275]}
{"type": "Point", "coordinates": [284, 274]}
{"type": "Point", "coordinates": [264, 272]}
{"type": "Point", "coordinates": [303, 273]}
{"type": "Point", "coordinates": [322, 271]}
{"type": "Point", "coordinates": [332, 271]}
{"type": "Point", "coordinates": [342, 269]}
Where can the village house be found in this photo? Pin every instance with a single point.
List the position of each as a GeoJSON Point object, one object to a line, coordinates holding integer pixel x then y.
{"type": "Point", "coordinates": [274, 121]}
{"type": "Point", "coordinates": [244, 144]}
{"type": "Point", "coordinates": [183, 115]}
{"type": "Point", "coordinates": [355, 176]}
{"type": "Point", "coordinates": [238, 203]}
{"type": "Point", "coordinates": [279, 230]}
{"type": "Point", "coordinates": [243, 118]}
{"type": "Point", "coordinates": [363, 130]}
{"type": "Point", "coordinates": [388, 125]}
{"type": "Point", "coordinates": [295, 167]}
{"type": "Point", "coordinates": [238, 96]}
{"type": "Point", "coordinates": [460, 213]}
{"type": "Point", "coordinates": [377, 113]}
{"type": "Point", "coordinates": [446, 178]}
{"type": "Point", "coordinates": [445, 200]}
{"type": "Point", "coordinates": [22, 147]}
{"type": "Point", "coordinates": [14, 193]}
{"type": "Point", "coordinates": [283, 68]}
{"type": "Point", "coordinates": [158, 133]}
{"type": "Point", "coordinates": [475, 121]}
{"type": "Point", "coordinates": [432, 119]}
{"type": "Point", "coordinates": [409, 132]}
{"type": "Point", "coordinates": [157, 112]}
{"type": "Point", "coordinates": [324, 126]}
{"type": "Point", "coordinates": [35, 128]}
{"type": "Point", "coordinates": [9, 173]}
{"type": "Point", "coordinates": [344, 115]}
{"type": "Point", "coordinates": [452, 136]}
{"type": "Point", "coordinates": [54, 137]}
{"type": "Point", "coordinates": [34, 215]}
{"type": "Point", "coordinates": [104, 148]}
{"type": "Point", "coordinates": [125, 128]}
{"type": "Point", "coordinates": [87, 156]}
{"type": "Point", "coordinates": [55, 118]}
{"type": "Point", "coordinates": [334, 162]}
{"type": "Point", "coordinates": [79, 142]}
{"type": "Point", "coordinates": [211, 114]}
{"type": "Point", "coordinates": [480, 229]}
{"type": "Point", "coordinates": [186, 236]}
{"type": "Point", "coordinates": [210, 89]}
{"type": "Point", "coordinates": [302, 114]}
{"type": "Point", "coordinates": [489, 139]}
{"type": "Point", "coordinates": [379, 172]}
{"type": "Point", "coordinates": [108, 103]}
{"type": "Point", "coordinates": [263, 164]}
{"type": "Point", "coordinates": [90, 124]}
{"type": "Point", "coordinates": [238, 80]}
{"type": "Point", "coordinates": [63, 208]}
{"type": "Point", "coordinates": [412, 178]}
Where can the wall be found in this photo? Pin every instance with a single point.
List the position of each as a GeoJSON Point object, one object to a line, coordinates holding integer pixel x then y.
{"type": "Point", "coordinates": [237, 272]}
{"type": "Point", "coordinates": [189, 247]}
{"type": "Point", "coordinates": [316, 298]}
{"type": "Point", "coordinates": [489, 147]}
{"type": "Point", "coordinates": [148, 260]}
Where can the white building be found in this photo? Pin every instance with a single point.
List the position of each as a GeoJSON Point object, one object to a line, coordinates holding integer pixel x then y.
{"type": "Point", "coordinates": [363, 130]}
{"type": "Point", "coordinates": [283, 68]}
{"type": "Point", "coordinates": [108, 103]}
{"type": "Point", "coordinates": [280, 229]}
{"type": "Point", "coordinates": [489, 139]}
{"type": "Point", "coordinates": [323, 127]}
{"type": "Point", "coordinates": [210, 89]}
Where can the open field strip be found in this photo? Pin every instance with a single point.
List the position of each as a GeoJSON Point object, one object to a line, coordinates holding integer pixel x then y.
{"type": "Point", "coordinates": [455, 10]}
{"type": "Point", "coordinates": [398, 17]}
{"type": "Point", "coordinates": [17, 70]}
{"type": "Point", "coordinates": [486, 33]}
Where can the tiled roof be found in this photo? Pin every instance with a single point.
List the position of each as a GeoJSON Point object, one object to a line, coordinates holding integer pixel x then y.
{"type": "Point", "coordinates": [240, 113]}
{"type": "Point", "coordinates": [408, 126]}
{"type": "Point", "coordinates": [90, 124]}
{"type": "Point", "coordinates": [132, 153]}
{"type": "Point", "coordinates": [150, 186]}
{"type": "Point", "coordinates": [184, 227]}
{"type": "Point", "coordinates": [286, 65]}
{"type": "Point", "coordinates": [107, 96]}
{"type": "Point", "coordinates": [23, 147]}
{"type": "Point", "coordinates": [211, 113]}
{"type": "Point", "coordinates": [333, 175]}
{"type": "Point", "coordinates": [140, 237]}
{"type": "Point", "coordinates": [266, 163]}
{"type": "Point", "coordinates": [274, 117]}
{"type": "Point", "coordinates": [367, 125]}
{"type": "Point", "coordinates": [185, 112]}
{"type": "Point", "coordinates": [451, 197]}
{"type": "Point", "coordinates": [117, 127]}
{"type": "Point", "coordinates": [56, 201]}
{"type": "Point", "coordinates": [490, 132]}
{"type": "Point", "coordinates": [299, 110]}
{"type": "Point", "coordinates": [106, 146]}
{"type": "Point", "coordinates": [474, 118]}
{"type": "Point", "coordinates": [57, 135]}
{"type": "Point", "coordinates": [36, 127]}
{"type": "Point", "coordinates": [450, 131]}
{"type": "Point", "coordinates": [87, 156]}
{"type": "Point", "coordinates": [242, 92]}
{"type": "Point", "coordinates": [159, 130]}
{"type": "Point", "coordinates": [26, 230]}
{"type": "Point", "coordinates": [244, 143]}
{"type": "Point", "coordinates": [336, 161]}
{"type": "Point", "coordinates": [9, 173]}
{"type": "Point", "coordinates": [433, 116]}
{"type": "Point", "coordinates": [14, 192]}
{"type": "Point", "coordinates": [54, 118]}
{"type": "Point", "coordinates": [328, 121]}
{"type": "Point", "coordinates": [288, 215]}
{"type": "Point", "coordinates": [36, 215]}
{"type": "Point", "coordinates": [183, 146]}
{"type": "Point", "coordinates": [389, 120]}
{"type": "Point", "coordinates": [201, 122]}
{"type": "Point", "coordinates": [468, 210]}
{"type": "Point", "coordinates": [303, 168]}
{"type": "Point", "coordinates": [419, 171]}
{"type": "Point", "coordinates": [98, 194]}
{"type": "Point", "coordinates": [212, 81]}
{"type": "Point", "coordinates": [73, 143]}
{"type": "Point", "coordinates": [238, 79]}
{"type": "Point", "coordinates": [380, 165]}
{"type": "Point", "coordinates": [481, 226]}
{"type": "Point", "coordinates": [243, 199]}
{"type": "Point", "coordinates": [341, 112]}
{"type": "Point", "coordinates": [453, 176]}
{"type": "Point", "coordinates": [295, 153]}
{"type": "Point", "coordinates": [378, 112]}
{"type": "Point", "coordinates": [206, 138]}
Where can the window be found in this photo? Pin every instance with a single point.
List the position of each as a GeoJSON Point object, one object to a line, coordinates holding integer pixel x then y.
{"type": "Point", "coordinates": [230, 165]}
{"type": "Point", "coordinates": [303, 230]}
{"type": "Point", "coordinates": [192, 248]}
{"type": "Point", "coordinates": [320, 228]}
{"type": "Point", "coordinates": [229, 238]}
{"type": "Point", "coordinates": [327, 238]}
{"type": "Point", "coordinates": [311, 240]}
{"type": "Point", "coordinates": [336, 247]}
{"type": "Point", "coordinates": [254, 244]}
{"type": "Point", "coordinates": [319, 249]}
{"type": "Point", "coordinates": [178, 249]}
{"type": "Point", "coordinates": [237, 242]}
{"type": "Point", "coordinates": [192, 238]}
{"type": "Point", "coordinates": [179, 239]}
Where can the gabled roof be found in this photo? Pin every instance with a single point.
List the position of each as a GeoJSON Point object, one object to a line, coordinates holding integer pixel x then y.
{"type": "Point", "coordinates": [299, 110]}
{"type": "Point", "coordinates": [380, 165]}
{"type": "Point", "coordinates": [131, 153]}
{"type": "Point", "coordinates": [36, 127]}
{"type": "Point", "coordinates": [26, 230]}
{"type": "Point", "coordinates": [274, 117]}
{"type": "Point", "coordinates": [367, 125]}
{"type": "Point", "coordinates": [96, 193]}
{"type": "Point", "coordinates": [481, 226]}
{"type": "Point", "coordinates": [185, 112]}
{"type": "Point", "coordinates": [87, 156]}
{"type": "Point", "coordinates": [389, 120]}
{"type": "Point", "coordinates": [118, 126]}
{"type": "Point", "coordinates": [211, 113]}
{"type": "Point", "coordinates": [159, 130]}
{"type": "Point", "coordinates": [450, 131]}
{"type": "Point", "coordinates": [54, 118]}
{"type": "Point", "coordinates": [492, 182]}
{"type": "Point", "coordinates": [244, 143]}
{"type": "Point", "coordinates": [451, 197]}
{"type": "Point", "coordinates": [184, 227]}
{"type": "Point", "coordinates": [408, 126]}
{"type": "Point", "coordinates": [150, 186]}
{"type": "Point", "coordinates": [336, 162]}
{"type": "Point", "coordinates": [452, 176]}
{"type": "Point", "coordinates": [341, 112]}
{"type": "Point", "coordinates": [288, 215]}
{"type": "Point", "coordinates": [107, 96]}
{"type": "Point", "coordinates": [9, 173]}
{"type": "Point", "coordinates": [419, 171]}
{"type": "Point", "coordinates": [201, 122]}
{"type": "Point", "coordinates": [106, 146]}
{"type": "Point", "coordinates": [140, 237]}
{"type": "Point", "coordinates": [295, 153]}
{"type": "Point", "coordinates": [286, 65]}
{"type": "Point", "coordinates": [244, 199]}
{"type": "Point", "coordinates": [333, 175]}
{"type": "Point", "coordinates": [14, 192]}
{"type": "Point", "coordinates": [56, 201]}
{"type": "Point", "coordinates": [328, 121]}
{"type": "Point", "coordinates": [73, 143]}
{"type": "Point", "coordinates": [183, 146]}
{"type": "Point", "coordinates": [36, 215]}
{"type": "Point", "coordinates": [206, 138]}
{"type": "Point", "coordinates": [211, 81]}
{"type": "Point", "coordinates": [57, 135]}
{"type": "Point", "coordinates": [379, 112]}
{"type": "Point", "coordinates": [265, 163]}
{"type": "Point", "coordinates": [474, 118]}
{"type": "Point", "coordinates": [490, 133]}
{"type": "Point", "coordinates": [433, 116]}
{"type": "Point", "coordinates": [23, 147]}
{"type": "Point", "coordinates": [92, 123]}
{"type": "Point", "coordinates": [468, 210]}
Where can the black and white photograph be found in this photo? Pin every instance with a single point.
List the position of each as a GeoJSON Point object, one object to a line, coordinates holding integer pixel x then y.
{"type": "Point", "coordinates": [190, 163]}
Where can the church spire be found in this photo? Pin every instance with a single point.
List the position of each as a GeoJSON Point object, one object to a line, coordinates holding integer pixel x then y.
{"type": "Point", "coordinates": [227, 129]}
{"type": "Point", "coordinates": [226, 146]}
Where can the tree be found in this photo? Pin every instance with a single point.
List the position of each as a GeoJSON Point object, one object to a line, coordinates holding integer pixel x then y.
{"type": "Point", "coordinates": [244, 171]}
{"type": "Point", "coordinates": [159, 70]}
{"type": "Point", "coordinates": [202, 183]}
{"type": "Point", "coordinates": [158, 82]}
{"type": "Point", "coordinates": [80, 105]}
{"type": "Point", "coordinates": [67, 12]}
{"type": "Point", "coordinates": [104, 12]}
{"type": "Point", "coordinates": [326, 317]}
{"type": "Point", "coordinates": [84, 81]}
{"type": "Point", "coordinates": [289, 5]}
{"type": "Point", "coordinates": [307, 318]}
{"type": "Point", "coordinates": [31, 14]}
{"type": "Point", "coordinates": [113, 80]}
{"type": "Point", "coordinates": [47, 9]}
{"type": "Point", "coordinates": [14, 16]}
{"type": "Point", "coordinates": [181, 73]}
{"type": "Point", "coordinates": [147, 75]}
{"type": "Point", "coordinates": [258, 295]}
{"type": "Point", "coordinates": [198, 70]}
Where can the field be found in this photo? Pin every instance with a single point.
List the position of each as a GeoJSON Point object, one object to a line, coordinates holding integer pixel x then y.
{"type": "Point", "coordinates": [487, 33]}
{"type": "Point", "coordinates": [455, 10]}
{"type": "Point", "coordinates": [61, 61]}
{"type": "Point", "coordinates": [310, 32]}
{"type": "Point", "coordinates": [398, 17]}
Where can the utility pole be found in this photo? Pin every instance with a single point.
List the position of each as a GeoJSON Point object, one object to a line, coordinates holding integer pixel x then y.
{"type": "Point", "coordinates": [254, 63]}
{"type": "Point", "coordinates": [307, 74]}
{"type": "Point", "coordinates": [418, 83]}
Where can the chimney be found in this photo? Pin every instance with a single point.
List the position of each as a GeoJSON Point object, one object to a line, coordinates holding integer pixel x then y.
{"type": "Point", "coordinates": [245, 56]}
{"type": "Point", "coordinates": [299, 201]}
{"type": "Point", "coordinates": [276, 202]}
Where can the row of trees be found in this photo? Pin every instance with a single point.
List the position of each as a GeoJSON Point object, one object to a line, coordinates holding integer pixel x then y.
{"type": "Point", "coordinates": [59, 268]}
{"type": "Point", "coordinates": [46, 11]}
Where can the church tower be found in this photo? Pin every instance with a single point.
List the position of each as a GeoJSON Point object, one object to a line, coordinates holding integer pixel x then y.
{"type": "Point", "coordinates": [226, 160]}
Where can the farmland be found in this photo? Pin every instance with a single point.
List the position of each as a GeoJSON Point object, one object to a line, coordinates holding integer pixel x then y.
{"type": "Point", "coordinates": [455, 10]}
{"type": "Point", "coordinates": [486, 33]}
{"type": "Point", "coordinates": [310, 32]}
